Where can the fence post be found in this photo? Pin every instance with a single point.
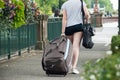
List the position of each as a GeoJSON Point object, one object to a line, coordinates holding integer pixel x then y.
{"type": "Point", "coordinates": [0, 43]}
{"type": "Point", "coordinates": [45, 26]}
{"type": "Point", "coordinates": [19, 45]}
{"type": "Point", "coordinates": [28, 38]}
{"type": "Point", "coordinates": [96, 19]}
{"type": "Point", "coordinates": [9, 45]}
{"type": "Point", "coordinates": [42, 32]}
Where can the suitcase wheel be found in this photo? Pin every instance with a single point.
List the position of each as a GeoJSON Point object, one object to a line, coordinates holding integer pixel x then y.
{"type": "Point", "coordinates": [47, 73]}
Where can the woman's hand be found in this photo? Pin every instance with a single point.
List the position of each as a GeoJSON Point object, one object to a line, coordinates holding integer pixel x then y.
{"type": "Point", "coordinates": [62, 34]}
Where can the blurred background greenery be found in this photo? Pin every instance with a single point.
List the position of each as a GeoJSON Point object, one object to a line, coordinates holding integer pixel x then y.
{"type": "Point", "coordinates": [48, 6]}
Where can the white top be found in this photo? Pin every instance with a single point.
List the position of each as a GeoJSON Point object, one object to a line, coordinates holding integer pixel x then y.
{"type": "Point", "coordinates": [73, 9]}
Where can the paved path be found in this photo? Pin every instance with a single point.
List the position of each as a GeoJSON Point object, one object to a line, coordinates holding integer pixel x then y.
{"type": "Point", "coordinates": [28, 66]}
{"type": "Point", "coordinates": [105, 33]}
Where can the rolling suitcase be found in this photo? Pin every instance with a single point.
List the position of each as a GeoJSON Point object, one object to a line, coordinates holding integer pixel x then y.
{"type": "Point", "coordinates": [57, 56]}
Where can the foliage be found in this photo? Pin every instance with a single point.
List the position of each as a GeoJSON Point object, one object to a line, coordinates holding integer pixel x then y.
{"type": "Point", "coordinates": [61, 2]}
{"type": "Point", "coordinates": [15, 13]}
{"type": "Point", "coordinates": [89, 3]}
{"type": "Point", "coordinates": [107, 68]}
{"type": "Point", "coordinates": [12, 14]}
{"type": "Point", "coordinates": [1, 4]}
{"type": "Point", "coordinates": [107, 4]}
{"type": "Point", "coordinates": [115, 44]}
{"type": "Point", "coordinates": [29, 11]}
{"type": "Point", "coordinates": [46, 5]}
{"type": "Point", "coordinates": [19, 18]}
{"type": "Point", "coordinates": [103, 3]}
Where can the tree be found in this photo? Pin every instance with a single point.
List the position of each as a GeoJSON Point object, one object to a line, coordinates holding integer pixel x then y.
{"type": "Point", "coordinates": [46, 5]}
{"type": "Point", "coordinates": [61, 2]}
{"type": "Point", "coordinates": [107, 4]}
{"type": "Point", "coordinates": [88, 2]}
{"type": "Point", "coordinates": [103, 3]}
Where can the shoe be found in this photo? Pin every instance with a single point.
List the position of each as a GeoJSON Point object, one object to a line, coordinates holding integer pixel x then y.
{"type": "Point", "coordinates": [75, 71]}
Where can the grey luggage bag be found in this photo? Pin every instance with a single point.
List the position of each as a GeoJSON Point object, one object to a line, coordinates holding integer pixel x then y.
{"type": "Point", "coordinates": [57, 56]}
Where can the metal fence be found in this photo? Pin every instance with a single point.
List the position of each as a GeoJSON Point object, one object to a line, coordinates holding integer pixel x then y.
{"type": "Point", "coordinates": [54, 28]}
{"type": "Point", "coordinates": [14, 40]}
{"type": "Point", "coordinates": [25, 37]}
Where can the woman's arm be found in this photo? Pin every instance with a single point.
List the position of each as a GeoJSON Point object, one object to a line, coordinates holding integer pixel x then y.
{"type": "Point", "coordinates": [64, 21]}
{"type": "Point", "coordinates": [87, 14]}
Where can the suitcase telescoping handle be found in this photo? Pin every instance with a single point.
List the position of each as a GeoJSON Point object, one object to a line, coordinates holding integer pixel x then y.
{"type": "Point", "coordinates": [67, 49]}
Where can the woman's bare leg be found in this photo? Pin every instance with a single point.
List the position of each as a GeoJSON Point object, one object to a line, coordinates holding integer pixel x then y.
{"type": "Point", "coordinates": [71, 38]}
{"type": "Point", "coordinates": [76, 48]}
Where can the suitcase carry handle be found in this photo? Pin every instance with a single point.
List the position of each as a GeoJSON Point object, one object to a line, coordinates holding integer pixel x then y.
{"type": "Point", "coordinates": [62, 38]}
{"type": "Point", "coordinates": [57, 43]}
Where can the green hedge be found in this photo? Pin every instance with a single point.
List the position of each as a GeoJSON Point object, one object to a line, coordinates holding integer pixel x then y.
{"type": "Point", "coordinates": [107, 68]}
{"type": "Point", "coordinates": [115, 44]}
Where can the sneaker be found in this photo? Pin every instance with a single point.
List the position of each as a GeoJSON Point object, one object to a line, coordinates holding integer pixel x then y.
{"type": "Point", "coordinates": [75, 71]}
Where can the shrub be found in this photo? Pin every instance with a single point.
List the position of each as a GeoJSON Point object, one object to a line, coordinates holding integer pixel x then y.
{"type": "Point", "coordinates": [12, 14]}
{"type": "Point", "coordinates": [115, 44]}
{"type": "Point", "coordinates": [107, 68]}
{"type": "Point", "coordinates": [15, 13]}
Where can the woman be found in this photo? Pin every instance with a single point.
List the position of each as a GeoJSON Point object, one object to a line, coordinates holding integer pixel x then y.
{"type": "Point", "coordinates": [72, 26]}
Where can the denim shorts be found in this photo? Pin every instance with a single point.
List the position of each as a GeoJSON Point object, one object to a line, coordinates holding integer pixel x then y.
{"type": "Point", "coordinates": [73, 29]}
